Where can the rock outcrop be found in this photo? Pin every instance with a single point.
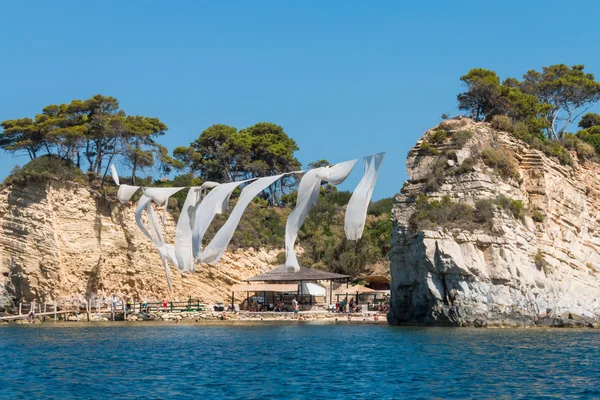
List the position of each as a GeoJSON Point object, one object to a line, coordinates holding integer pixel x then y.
{"type": "Point", "coordinates": [520, 272]}
{"type": "Point", "coordinates": [64, 242]}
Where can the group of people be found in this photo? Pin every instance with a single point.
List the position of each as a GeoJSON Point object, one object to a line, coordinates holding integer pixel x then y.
{"type": "Point", "coordinates": [352, 306]}
{"type": "Point", "coordinates": [144, 307]}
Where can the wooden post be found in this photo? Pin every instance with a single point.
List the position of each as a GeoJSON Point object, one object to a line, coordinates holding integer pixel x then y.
{"type": "Point", "coordinates": [54, 303]}
{"type": "Point", "coordinates": [87, 308]}
{"type": "Point", "coordinates": [124, 310]}
{"type": "Point", "coordinates": [45, 309]}
{"type": "Point", "coordinates": [232, 301]}
{"type": "Point", "coordinates": [330, 292]}
{"type": "Point", "coordinates": [19, 308]}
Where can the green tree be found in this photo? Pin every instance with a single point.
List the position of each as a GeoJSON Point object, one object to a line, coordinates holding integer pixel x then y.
{"type": "Point", "coordinates": [568, 92]}
{"type": "Point", "coordinates": [22, 135]}
{"type": "Point", "coordinates": [589, 120]}
{"type": "Point", "coordinates": [483, 98]}
{"type": "Point", "coordinates": [140, 149]}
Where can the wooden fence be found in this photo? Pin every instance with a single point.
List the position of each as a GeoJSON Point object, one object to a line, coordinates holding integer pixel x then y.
{"type": "Point", "coordinates": [37, 309]}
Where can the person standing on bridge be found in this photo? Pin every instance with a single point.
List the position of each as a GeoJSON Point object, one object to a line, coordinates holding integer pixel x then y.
{"type": "Point", "coordinates": [114, 302]}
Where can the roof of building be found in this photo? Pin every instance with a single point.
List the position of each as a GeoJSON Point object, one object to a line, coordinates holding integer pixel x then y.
{"type": "Point", "coordinates": [286, 274]}
{"type": "Point", "coordinates": [265, 287]}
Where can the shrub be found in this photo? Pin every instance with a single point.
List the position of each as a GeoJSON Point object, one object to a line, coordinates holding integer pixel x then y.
{"type": "Point", "coordinates": [429, 149]}
{"type": "Point", "coordinates": [438, 136]}
{"type": "Point", "coordinates": [555, 149]}
{"type": "Point", "coordinates": [537, 215]}
{"type": "Point", "coordinates": [512, 207]}
{"type": "Point", "coordinates": [466, 166]}
{"type": "Point", "coordinates": [484, 211]}
{"type": "Point", "coordinates": [446, 213]}
{"type": "Point", "coordinates": [46, 167]}
{"type": "Point", "coordinates": [460, 138]}
{"type": "Point", "coordinates": [541, 263]}
{"type": "Point", "coordinates": [521, 131]}
{"type": "Point", "coordinates": [437, 175]}
{"type": "Point", "coordinates": [584, 150]}
{"type": "Point", "coordinates": [381, 207]}
{"type": "Point", "coordinates": [445, 116]}
{"type": "Point", "coordinates": [502, 162]}
{"type": "Point", "coordinates": [502, 123]}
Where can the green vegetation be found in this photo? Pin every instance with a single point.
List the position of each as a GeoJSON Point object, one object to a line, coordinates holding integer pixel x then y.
{"type": "Point", "coordinates": [515, 208]}
{"type": "Point", "coordinates": [438, 137]}
{"type": "Point", "coordinates": [466, 166]}
{"type": "Point", "coordinates": [541, 263]}
{"type": "Point", "coordinates": [445, 213]}
{"type": "Point", "coordinates": [428, 149]}
{"type": "Point", "coordinates": [48, 166]}
{"type": "Point", "coordinates": [502, 162]}
{"type": "Point", "coordinates": [222, 153]}
{"type": "Point", "coordinates": [65, 140]}
{"type": "Point", "coordinates": [460, 138]}
{"type": "Point", "coordinates": [322, 236]}
{"type": "Point", "coordinates": [90, 134]}
{"type": "Point", "coordinates": [537, 215]}
{"type": "Point", "coordinates": [502, 123]}
{"type": "Point", "coordinates": [539, 108]}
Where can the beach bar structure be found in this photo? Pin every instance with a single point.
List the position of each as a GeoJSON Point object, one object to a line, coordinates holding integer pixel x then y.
{"type": "Point", "coordinates": [304, 282]}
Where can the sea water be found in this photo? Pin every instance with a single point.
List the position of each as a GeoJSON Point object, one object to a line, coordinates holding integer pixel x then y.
{"type": "Point", "coordinates": [302, 360]}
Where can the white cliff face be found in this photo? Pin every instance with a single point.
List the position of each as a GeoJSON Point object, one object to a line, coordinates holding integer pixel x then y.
{"type": "Point", "coordinates": [63, 242]}
{"type": "Point", "coordinates": [477, 277]}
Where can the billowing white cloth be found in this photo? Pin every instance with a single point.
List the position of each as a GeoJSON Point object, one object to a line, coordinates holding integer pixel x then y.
{"type": "Point", "coordinates": [113, 172]}
{"type": "Point", "coordinates": [183, 233]}
{"type": "Point", "coordinates": [308, 195]}
{"type": "Point", "coordinates": [166, 251]}
{"type": "Point", "coordinates": [356, 212]}
{"type": "Point", "coordinates": [214, 203]}
{"type": "Point", "coordinates": [215, 249]}
{"type": "Point", "coordinates": [160, 195]}
{"type": "Point", "coordinates": [125, 192]}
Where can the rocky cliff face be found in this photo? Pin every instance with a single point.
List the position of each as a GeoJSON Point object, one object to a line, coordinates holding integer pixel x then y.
{"type": "Point", "coordinates": [521, 272]}
{"type": "Point", "coordinates": [63, 242]}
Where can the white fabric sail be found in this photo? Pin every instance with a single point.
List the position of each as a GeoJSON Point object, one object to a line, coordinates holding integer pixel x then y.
{"type": "Point", "coordinates": [166, 251]}
{"type": "Point", "coordinates": [125, 192]}
{"type": "Point", "coordinates": [214, 203]}
{"type": "Point", "coordinates": [183, 233]}
{"type": "Point", "coordinates": [308, 195]}
{"type": "Point", "coordinates": [160, 195]}
{"type": "Point", "coordinates": [215, 249]}
{"type": "Point", "coordinates": [113, 172]}
{"type": "Point", "coordinates": [159, 242]}
{"type": "Point", "coordinates": [356, 212]}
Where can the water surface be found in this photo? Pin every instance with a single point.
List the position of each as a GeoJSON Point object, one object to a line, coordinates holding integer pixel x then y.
{"type": "Point", "coordinates": [295, 361]}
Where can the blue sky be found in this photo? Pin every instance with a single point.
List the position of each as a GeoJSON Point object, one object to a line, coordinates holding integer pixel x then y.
{"type": "Point", "coordinates": [344, 78]}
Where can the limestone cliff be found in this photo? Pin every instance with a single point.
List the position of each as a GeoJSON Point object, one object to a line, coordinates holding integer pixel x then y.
{"type": "Point", "coordinates": [64, 242]}
{"type": "Point", "coordinates": [519, 272]}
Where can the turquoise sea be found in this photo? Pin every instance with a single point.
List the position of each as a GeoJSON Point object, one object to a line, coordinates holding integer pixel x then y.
{"type": "Point", "coordinates": [302, 361]}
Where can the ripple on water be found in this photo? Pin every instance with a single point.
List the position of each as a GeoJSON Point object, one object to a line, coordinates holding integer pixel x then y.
{"type": "Point", "coordinates": [295, 361]}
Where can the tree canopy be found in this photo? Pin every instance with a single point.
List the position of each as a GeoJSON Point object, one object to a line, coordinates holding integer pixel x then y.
{"type": "Point", "coordinates": [90, 133]}
{"type": "Point", "coordinates": [546, 101]}
{"type": "Point", "coordinates": [222, 153]}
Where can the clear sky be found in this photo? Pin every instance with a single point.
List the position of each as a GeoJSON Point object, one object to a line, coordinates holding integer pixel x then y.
{"type": "Point", "coordinates": [344, 78]}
